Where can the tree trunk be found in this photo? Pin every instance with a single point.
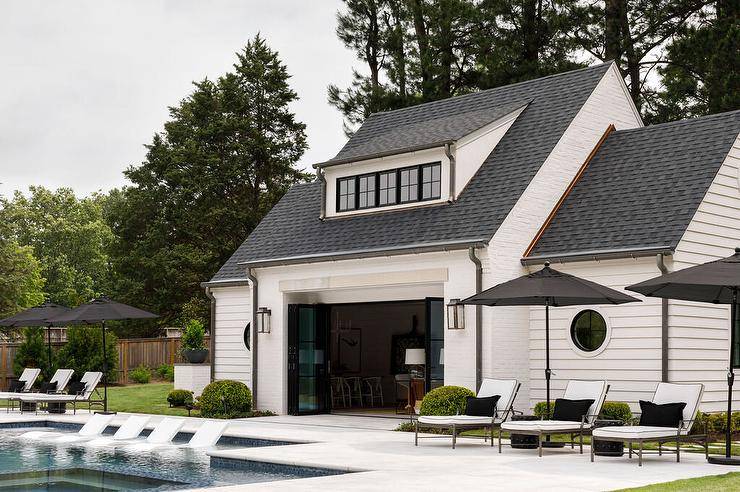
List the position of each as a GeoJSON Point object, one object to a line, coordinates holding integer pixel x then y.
{"type": "Point", "coordinates": [530, 34]}
{"type": "Point", "coordinates": [422, 40]}
{"type": "Point", "coordinates": [613, 30]}
{"type": "Point", "coordinates": [397, 47]}
{"type": "Point", "coordinates": [631, 58]}
{"type": "Point", "coordinates": [372, 47]}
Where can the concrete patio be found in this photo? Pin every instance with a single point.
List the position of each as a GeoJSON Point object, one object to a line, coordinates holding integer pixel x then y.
{"type": "Point", "coordinates": [386, 460]}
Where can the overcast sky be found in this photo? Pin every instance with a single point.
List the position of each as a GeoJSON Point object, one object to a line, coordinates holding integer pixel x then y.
{"type": "Point", "coordinates": [86, 83]}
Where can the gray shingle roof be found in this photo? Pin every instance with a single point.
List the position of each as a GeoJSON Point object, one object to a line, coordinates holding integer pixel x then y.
{"type": "Point", "coordinates": [418, 127]}
{"type": "Point", "coordinates": [292, 228]}
{"type": "Point", "coordinates": [642, 188]}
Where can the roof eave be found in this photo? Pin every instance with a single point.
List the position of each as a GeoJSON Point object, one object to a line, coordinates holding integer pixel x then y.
{"type": "Point", "coordinates": [386, 153]}
{"type": "Point", "coordinates": [368, 253]}
{"type": "Point", "coordinates": [597, 255]}
{"type": "Point", "coordinates": [237, 282]}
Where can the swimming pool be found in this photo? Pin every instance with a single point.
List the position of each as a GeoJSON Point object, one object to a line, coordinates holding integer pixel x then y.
{"type": "Point", "coordinates": [37, 466]}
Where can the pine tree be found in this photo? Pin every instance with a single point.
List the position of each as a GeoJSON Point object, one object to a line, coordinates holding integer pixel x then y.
{"type": "Point", "coordinates": [226, 156]}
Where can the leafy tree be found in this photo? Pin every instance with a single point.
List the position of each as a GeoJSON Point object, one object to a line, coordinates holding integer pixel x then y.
{"type": "Point", "coordinates": [83, 351]}
{"type": "Point", "coordinates": [32, 352]}
{"type": "Point", "coordinates": [69, 237]}
{"type": "Point", "coordinates": [22, 282]}
{"type": "Point", "coordinates": [226, 156]}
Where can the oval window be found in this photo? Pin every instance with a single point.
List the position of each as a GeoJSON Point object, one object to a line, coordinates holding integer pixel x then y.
{"type": "Point", "coordinates": [588, 330]}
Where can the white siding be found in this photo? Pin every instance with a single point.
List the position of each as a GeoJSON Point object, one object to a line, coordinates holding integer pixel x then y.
{"type": "Point", "coordinates": [233, 312]}
{"type": "Point", "coordinates": [505, 333]}
{"type": "Point", "coordinates": [631, 359]}
{"type": "Point", "coordinates": [699, 332]}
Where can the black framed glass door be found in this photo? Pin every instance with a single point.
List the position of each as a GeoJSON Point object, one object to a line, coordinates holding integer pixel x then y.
{"type": "Point", "coordinates": [435, 342]}
{"type": "Point", "coordinates": [307, 359]}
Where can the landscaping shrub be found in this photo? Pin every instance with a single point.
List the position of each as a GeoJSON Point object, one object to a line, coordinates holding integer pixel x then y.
{"type": "Point", "coordinates": [616, 410]}
{"type": "Point", "coordinates": [540, 409]}
{"type": "Point", "coordinates": [180, 398]}
{"type": "Point", "coordinates": [193, 336]}
{"type": "Point", "coordinates": [166, 372]}
{"type": "Point", "coordinates": [225, 400]}
{"type": "Point", "coordinates": [141, 375]}
{"type": "Point", "coordinates": [83, 351]}
{"type": "Point", "coordinates": [32, 352]}
{"type": "Point", "coordinates": [445, 400]}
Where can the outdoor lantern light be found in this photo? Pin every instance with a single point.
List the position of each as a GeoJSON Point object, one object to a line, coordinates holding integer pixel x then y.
{"type": "Point", "coordinates": [263, 320]}
{"type": "Point", "coordinates": [455, 315]}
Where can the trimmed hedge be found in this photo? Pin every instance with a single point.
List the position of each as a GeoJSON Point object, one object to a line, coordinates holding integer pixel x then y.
{"type": "Point", "coordinates": [180, 398]}
{"type": "Point", "coordinates": [141, 375]}
{"type": "Point", "coordinates": [445, 400]}
{"type": "Point", "coordinates": [611, 410]}
{"type": "Point", "coordinates": [225, 399]}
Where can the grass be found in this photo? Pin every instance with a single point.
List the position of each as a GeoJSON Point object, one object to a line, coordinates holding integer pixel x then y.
{"type": "Point", "coordinates": [144, 398]}
{"type": "Point", "coordinates": [728, 481]}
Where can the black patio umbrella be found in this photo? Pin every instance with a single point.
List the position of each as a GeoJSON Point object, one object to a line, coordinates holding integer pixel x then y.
{"type": "Point", "coordinates": [717, 282]}
{"type": "Point", "coordinates": [98, 311]}
{"type": "Point", "coordinates": [549, 288]}
{"type": "Point", "coordinates": [38, 316]}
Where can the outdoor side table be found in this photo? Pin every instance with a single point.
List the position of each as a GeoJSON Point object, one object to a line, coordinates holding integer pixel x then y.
{"type": "Point", "coordinates": [523, 441]}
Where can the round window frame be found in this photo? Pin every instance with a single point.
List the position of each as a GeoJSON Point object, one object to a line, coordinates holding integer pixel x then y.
{"type": "Point", "coordinates": [607, 337]}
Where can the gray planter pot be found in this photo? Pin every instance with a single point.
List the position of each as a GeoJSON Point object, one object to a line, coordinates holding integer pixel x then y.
{"type": "Point", "coordinates": [198, 356]}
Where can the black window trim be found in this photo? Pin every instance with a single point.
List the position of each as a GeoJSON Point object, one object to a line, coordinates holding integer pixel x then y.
{"type": "Point", "coordinates": [419, 185]}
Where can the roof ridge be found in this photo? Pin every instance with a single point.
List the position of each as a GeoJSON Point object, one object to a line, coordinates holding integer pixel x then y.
{"type": "Point", "coordinates": [686, 121]}
{"type": "Point", "coordinates": [492, 89]}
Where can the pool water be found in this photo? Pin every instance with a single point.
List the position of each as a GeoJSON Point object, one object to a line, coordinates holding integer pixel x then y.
{"type": "Point", "coordinates": [38, 466]}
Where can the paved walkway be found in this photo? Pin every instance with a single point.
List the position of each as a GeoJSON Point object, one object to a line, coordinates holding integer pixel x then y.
{"type": "Point", "coordinates": [388, 461]}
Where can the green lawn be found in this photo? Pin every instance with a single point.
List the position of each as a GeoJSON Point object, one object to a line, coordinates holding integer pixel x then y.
{"type": "Point", "coordinates": [144, 398]}
{"type": "Point", "coordinates": [728, 481]}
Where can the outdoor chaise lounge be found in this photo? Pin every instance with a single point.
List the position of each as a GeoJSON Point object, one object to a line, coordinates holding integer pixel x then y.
{"type": "Point", "coordinates": [505, 389]}
{"type": "Point", "coordinates": [79, 393]}
{"type": "Point", "coordinates": [24, 384]}
{"type": "Point", "coordinates": [92, 428]}
{"type": "Point", "coordinates": [58, 382]}
{"type": "Point", "coordinates": [664, 421]}
{"type": "Point", "coordinates": [577, 393]}
{"type": "Point", "coordinates": [207, 434]}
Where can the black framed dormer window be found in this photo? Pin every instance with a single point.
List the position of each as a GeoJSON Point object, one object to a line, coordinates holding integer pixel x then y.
{"type": "Point", "coordinates": [392, 187]}
{"type": "Point", "coordinates": [346, 194]}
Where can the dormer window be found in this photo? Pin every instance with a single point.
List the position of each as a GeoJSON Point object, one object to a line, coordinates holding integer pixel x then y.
{"type": "Point", "coordinates": [392, 187]}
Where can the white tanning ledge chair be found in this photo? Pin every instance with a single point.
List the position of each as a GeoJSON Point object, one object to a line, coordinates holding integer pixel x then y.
{"type": "Point", "coordinates": [505, 389]}
{"type": "Point", "coordinates": [129, 430]}
{"type": "Point", "coordinates": [572, 420]}
{"type": "Point", "coordinates": [93, 428]}
{"type": "Point", "coordinates": [207, 434]}
{"type": "Point", "coordinates": [23, 385]}
{"type": "Point", "coordinates": [162, 435]}
{"type": "Point", "coordinates": [81, 392]}
{"type": "Point", "coordinates": [664, 421]}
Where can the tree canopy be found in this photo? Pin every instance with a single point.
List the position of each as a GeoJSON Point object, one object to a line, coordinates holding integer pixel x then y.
{"type": "Point", "coordinates": [22, 282]}
{"type": "Point", "coordinates": [224, 158]}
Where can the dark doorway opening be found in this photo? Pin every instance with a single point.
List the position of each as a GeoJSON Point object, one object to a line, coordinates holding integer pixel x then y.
{"type": "Point", "coordinates": [352, 358]}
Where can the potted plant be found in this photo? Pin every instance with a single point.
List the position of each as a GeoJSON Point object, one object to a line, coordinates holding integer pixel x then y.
{"type": "Point", "coordinates": [613, 413]}
{"type": "Point", "coordinates": [193, 348]}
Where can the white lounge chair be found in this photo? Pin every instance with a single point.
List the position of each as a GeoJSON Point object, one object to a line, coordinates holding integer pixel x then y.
{"type": "Point", "coordinates": [207, 434]}
{"type": "Point", "coordinates": [665, 393]}
{"type": "Point", "coordinates": [506, 389]}
{"type": "Point", "coordinates": [575, 390]}
{"type": "Point", "coordinates": [28, 377]}
{"type": "Point", "coordinates": [92, 428]}
{"type": "Point", "coordinates": [162, 435]}
{"type": "Point", "coordinates": [61, 377]}
{"type": "Point", "coordinates": [129, 430]}
{"type": "Point", "coordinates": [89, 379]}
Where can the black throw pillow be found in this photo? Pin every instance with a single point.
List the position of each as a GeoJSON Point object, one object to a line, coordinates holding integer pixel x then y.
{"type": "Point", "coordinates": [16, 386]}
{"type": "Point", "coordinates": [665, 415]}
{"type": "Point", "coordinates": [77, 388]}
{"type": "Point", "coordinates": [48, 387]}
{"type": "Point", "coordinates": [481, 407]}
{"type": "Point", "coordinates": [571, 410]}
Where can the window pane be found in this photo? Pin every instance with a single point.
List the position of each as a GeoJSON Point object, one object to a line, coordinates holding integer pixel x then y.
{"type": "Point", "coordinates": [413, 192]}
{"type": "Point", "coordinates": [588, 330]}
{"type": "Point", "coordinates": [431, 181]}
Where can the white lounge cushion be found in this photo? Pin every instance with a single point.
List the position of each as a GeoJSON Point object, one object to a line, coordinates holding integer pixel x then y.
{"type": "Point", "coordinates": [675, 393]}
{"type": "Point", "coordinates": [504, 388]}
{"type": "Point", "coordinates": [471, 420]}
{"type": "Point", "coordinates": [587, 390]}
{"type": "Point", "coordinates": [544, 425]}
{"type": "Point", "coordinates": [436, 419]}
{"type": "Point", "coordinates": [634, 432]}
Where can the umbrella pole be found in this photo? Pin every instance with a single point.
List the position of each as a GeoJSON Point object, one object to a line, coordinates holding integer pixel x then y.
{"type": "Point", "coordinates": [731, 375]}
{"type": "Point", "coordinates": [105, 373]}
{"type": "Point", "coordinates": [48, 345]}
{"type": "Point", "coordinates": [547, 354]}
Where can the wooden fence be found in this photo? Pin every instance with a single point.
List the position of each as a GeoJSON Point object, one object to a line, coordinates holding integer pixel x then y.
{"type": "Point", "coordinates": [132, 352]}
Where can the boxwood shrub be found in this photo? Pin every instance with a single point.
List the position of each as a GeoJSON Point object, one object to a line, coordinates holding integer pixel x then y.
{"type": "Point", "coordinates": [225, 399]}
{"type": "Point", "coordinates": [141, 375]}
{"type": "Point", "coordinates": [445, 400]}
{"type": "Point", "coordinates": [616, 410]}
{"type": "Point", "coordinates": [180, 398]}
